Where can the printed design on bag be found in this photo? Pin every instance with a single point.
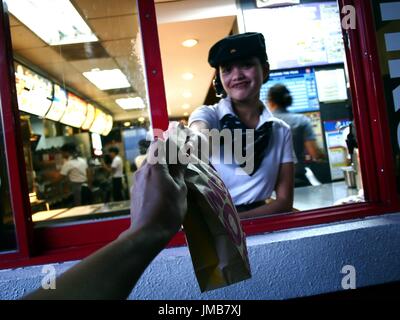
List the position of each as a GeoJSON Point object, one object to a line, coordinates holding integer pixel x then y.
{"type": "Point", "coordinates": [232, 224]}
{"type": "Point", "coordinates": [229, 215]}
{"type": "Point", "coordinates": [215, 201]}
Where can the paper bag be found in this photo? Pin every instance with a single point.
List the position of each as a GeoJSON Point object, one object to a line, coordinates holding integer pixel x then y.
{"type": "Point", "coordinates": [212, 226]}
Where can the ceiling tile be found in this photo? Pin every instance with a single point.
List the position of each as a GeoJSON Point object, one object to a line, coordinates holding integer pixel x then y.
{"type": "Point", "coordinates": [81, 51]}
{"type": "Point", "coordinates": [41, 56]}
{"type": "Point", "coordinates": [105, 8]}
{"type": "Point", "coordinates": [124, 27]}
{"type": "Point", "coordinates": [23, 38]}
{"type": "Point", "coordinates": [120, 48]}
{"type": "Point", "coordinates": [87, 65]}
{"type": "Point", "coordinates": [13, 21]}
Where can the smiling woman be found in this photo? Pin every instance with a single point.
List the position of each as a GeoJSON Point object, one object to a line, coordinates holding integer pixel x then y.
{"type": "Point", "coordinates": [242, 66]}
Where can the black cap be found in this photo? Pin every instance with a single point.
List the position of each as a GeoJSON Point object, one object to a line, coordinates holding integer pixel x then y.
{"type": "Point", "coordinates": [236, 47]}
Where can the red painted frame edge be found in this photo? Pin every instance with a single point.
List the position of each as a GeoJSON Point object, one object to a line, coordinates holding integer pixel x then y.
{"type": "Point", "coordinates": [153, 65]}
{"type": "Point", "coordinates": [160, 120]}
{"type": "Point", "coordinates": [13, 143]}
{"type": "Point", "coordinates": [380, 119]}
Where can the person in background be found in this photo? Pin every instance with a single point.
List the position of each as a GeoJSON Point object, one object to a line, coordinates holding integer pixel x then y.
{"type": "Point", "coordinates": [103, 178]}
{"type": "Point", "coordinates": [117, 174]}
{"type": "Point", "coordinates": [279, 99]}
{"type": "Point", "coordinates": [143, 146]}
{"type": "Point", "coordinates": [242, 67]}
{"type": "Point", "coordinates": [158, 208]}
{"type": "Point", "coordinates": [75, 168]}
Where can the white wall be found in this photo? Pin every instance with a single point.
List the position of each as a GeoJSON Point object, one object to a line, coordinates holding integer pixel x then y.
{"type": "Point", "coordinates": [286, 264]}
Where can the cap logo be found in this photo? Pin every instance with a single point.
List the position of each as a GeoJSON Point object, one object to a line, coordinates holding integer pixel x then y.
{"type": "Point", "coordinates": [232, 51]}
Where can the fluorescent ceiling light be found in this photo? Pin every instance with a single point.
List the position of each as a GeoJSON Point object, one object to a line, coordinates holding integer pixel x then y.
{"type": "Point", "coordinates": [55, 21]}
{"type": "Point", "coordinates": [107, 79]}
{"type": "Point", "coordinates": [131, 103]}
{"type": "Point", "coordinates": [187, 76]}
{"type": "Point", "coordinates": [190, 43]}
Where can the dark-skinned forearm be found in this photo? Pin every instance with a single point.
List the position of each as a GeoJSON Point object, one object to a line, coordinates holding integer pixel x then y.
{"type": "Point", "coordinates": [111, 272]}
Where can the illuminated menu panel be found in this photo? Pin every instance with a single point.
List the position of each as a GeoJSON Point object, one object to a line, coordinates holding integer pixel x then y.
{"type": "Point", "coordinates": [59, 104]}
{"type": "Point", "coordinates": [34, 93]}
{"type": "Point", "coordinates": [75, 114]}
{"type": "Point", "coordinates": [99, 123]}
{"type": "Point", "coordinates": [108, 126]}
{"type": "Point", "coordinates": [298, 36]}
{"type": "Point", "coordinates": [91, 113]}
{"type": "Point", "coordinates": [301, 84]}
{"type": "Point", "coordinates": [331, 85]}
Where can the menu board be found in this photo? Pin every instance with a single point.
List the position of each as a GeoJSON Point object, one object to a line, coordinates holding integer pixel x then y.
{"type": "Point", "coordinates": [58, 105]}
{"type": "Point", "coordinates": [331, 85]}
{"type": "Point", "coordinates": [109, 125]}
{"type": "Point", "coordinates": [302, 87]}
{"type": "Point", "coordinates": [335, 135]}
{"type": "Point", "coordinates": [75, 113]}
{"type": "Point", "coordinates": [100, 122]}
{"type": "Point", "coordinates": [34, 93]}
{"type": "Point", "coordinates": [299, 36]}
{"type": "Point", "coordinates": [91, 112]}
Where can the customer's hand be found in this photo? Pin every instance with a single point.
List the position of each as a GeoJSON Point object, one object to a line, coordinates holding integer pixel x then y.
{"type": "Point", "coordinates": [199, 142]}
{"type": "Point", "coordinates": [158, 199]}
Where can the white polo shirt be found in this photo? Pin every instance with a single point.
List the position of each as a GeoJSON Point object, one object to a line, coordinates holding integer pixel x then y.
{"type": "Point", "coordinates": [246, 189]}
{"type": "Point", "coordinates": [118, 166]}
{"type": "Point", "coordinates": [75, 169]}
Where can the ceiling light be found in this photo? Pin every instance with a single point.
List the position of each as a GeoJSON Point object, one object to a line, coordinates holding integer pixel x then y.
{"type": "Point", "coordinates": [107, 79]}
{"type": "Point", "coordinates": [141, 119]}
{"type": "Point", "coordinates": [127, 124]}
{"type": "Point", "coordinates": [187, 94]}
{"type": "Point", "coordinates": [187, 76]}
{"type": "Point", "coordinates": [186, 106]}
{"type": "Point", "coordinates": [189, 43]}
{"type": "Point", "coordinates": [186, 114]}
{"type": "Point", "coordinates": [55, 21]}
{"type": "Point", "coordinates": [131, 103]}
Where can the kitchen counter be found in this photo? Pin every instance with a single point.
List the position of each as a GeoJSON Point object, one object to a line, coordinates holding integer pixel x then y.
{"type": "Point", "coordinates": [305, 198]}
{"type": "Point", "coordinates": [325, 195]}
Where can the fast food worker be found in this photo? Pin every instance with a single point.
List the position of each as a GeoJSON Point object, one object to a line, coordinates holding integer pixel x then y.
{"type": "Point", "coordinates": [242, 67]}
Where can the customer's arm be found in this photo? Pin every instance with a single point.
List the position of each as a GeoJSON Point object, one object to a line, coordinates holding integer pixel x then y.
{"type": "Point", "coordinates": [284, 195]}
{"type": "Point", "coordinates": [157, 209]}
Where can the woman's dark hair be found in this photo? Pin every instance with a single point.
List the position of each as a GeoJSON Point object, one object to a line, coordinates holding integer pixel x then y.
{"type": "Point", "coordinates": [107, 159]}
{"type": "Point", "coordinates": [70, 148]}
{"type": "Point", "coordinates": [113, 150]}
{"type": "Point", "coordinates": [280, 95]}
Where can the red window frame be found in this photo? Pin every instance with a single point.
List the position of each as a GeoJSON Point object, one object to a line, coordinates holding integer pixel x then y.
{"type": "Point", "coordinates": [62, 243]}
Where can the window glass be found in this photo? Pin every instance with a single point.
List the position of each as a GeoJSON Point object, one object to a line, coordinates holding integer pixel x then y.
{"type": "Point", "coordinates": [387, 26]}
{"type": "Point", "coordinates": [83, 105]}
{"type": "Point", "coordinates": [7, 224]}
{"type": "Point", "coordinates": [306, 55]}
